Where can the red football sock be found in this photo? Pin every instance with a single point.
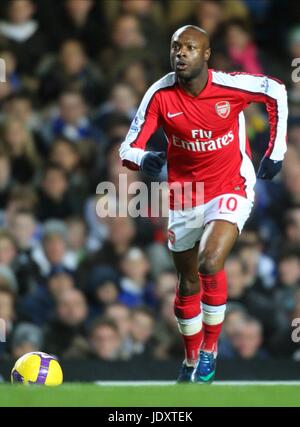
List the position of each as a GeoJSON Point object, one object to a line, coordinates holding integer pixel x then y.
{"type": "Point", "coordinates": [211, 335]}
{"type": "Point", "coordinates": [214, 287]}
{"type": "Point", "coordinates": [188, 313]}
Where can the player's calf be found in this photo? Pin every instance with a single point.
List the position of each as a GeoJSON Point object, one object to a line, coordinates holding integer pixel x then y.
{"type": "Point", "coordinates": [187, 310]}
{"type": "Point", "coordinates": [189, 318]}
{"type": "Point", "coordinates": [213, 306]}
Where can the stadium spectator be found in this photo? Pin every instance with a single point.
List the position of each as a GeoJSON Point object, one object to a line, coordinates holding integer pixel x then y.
{"type": "Point", "coordinates": [71, 120]}
{"type": "Point", "coordinates": [103, 288]}
{"type": "Point", "coordinates": [105, 340]}
{"type": "Point", "coordinates": [120, 314]}
{"type": "Point", "coordinates": [7, 310]}
{"type": "Point", "coordinates": [18, 141]}
{"type": "Point", "coordinates": [65, 153]}
{"type": "Point", "coordinates": [77, 237]}
{"type": "Point", "coordinates": [82, 20]}
{"type": "Point", "coordinates": [292, 225]}
{"type": "Point", "coordinates": [25, 231]}
{"type": "Point", "coordinates": [135, 288]}
{"type": "Point", "coordinates": [21, 106]}
{"type": "Point", "coordinates": [235, 315]}
{"type": "Point", "coordinates": [248, 339]}
{"type": "Point", "coordinates": [157, 251]}
{"type": "Point", "coordinates": [259, 304]}
{"type": "Point", "coordinates": [237, 277]}
{"type": "Point", "coordinates": [294, 136]}
{"type": "Point", "coordinates": [73, 70]}
{"type": "Point", "coordinates": [69, 157]}
{"type": "Point", "coordinates": [127, 43]}
{"type": "Point", "coordinates": [26, 338]}
{"type": "Point", "coordinates": [241, 47]}
{"type": "Point", "coordinates": [290, 179]}
{"type": "Point", "coordinates": [288, 278]}
{"type": "Point", "coordinates": [120, 233]}
{"type": "Point", "coordinates": [208, 15]}
{"type": "Point", "coordinates": [55, 198]}
{"type": "Point", "coordinates": [142, 331]}
{"type": "Point", "coordinates": [8, 248]}
{"type": "Point", "coordinates": [5, 179]}
{"type": "Point", "coordinates": [19, 198]}
{"type": "Point", "coordinates": [21, 33]}
{"type": "Point", "coordinates": [8, 278]}
{"type": "Point", "coordinates": [117, 127]}
{"type": "Point", "coordinates": [139, 74]}
{"type": "Point", "coordinates": [64, 336]}
{"type": "Point", "coordinates": [260, 267]}
{"type": "Point", "coordinates": [122, 100]}
{"type": "Point", "coordinates": [38, 306]}
{"type": "Point", "coordinates": [53, 255]}
{"type": "Point", "coordinates": [166, 283]}
{"type": "Point", "coordinates": [168, 342]}
{"type": "Point", "coordinates": [13, 80]}
{"type": "Point", "coordinates": [150, 15]}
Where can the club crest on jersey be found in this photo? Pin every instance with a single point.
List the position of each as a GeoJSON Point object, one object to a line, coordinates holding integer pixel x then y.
{"type": "Point", "coordinates": [223, 109]}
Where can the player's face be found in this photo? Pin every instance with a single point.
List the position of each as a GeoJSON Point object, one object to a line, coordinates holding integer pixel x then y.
{"type": "Point", "coordinates": [189, 53]}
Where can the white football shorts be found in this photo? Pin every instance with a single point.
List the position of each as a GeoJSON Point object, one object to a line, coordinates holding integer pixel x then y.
{"type": "Point", "coordinates": [186, 226]}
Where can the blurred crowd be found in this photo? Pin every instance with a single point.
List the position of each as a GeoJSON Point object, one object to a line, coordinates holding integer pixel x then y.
{"type": "Point", "coordinates": [80, 286]}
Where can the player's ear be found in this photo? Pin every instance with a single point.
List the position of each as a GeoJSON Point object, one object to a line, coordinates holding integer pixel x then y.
{"type": "Point", "coordinates": [207, 54]}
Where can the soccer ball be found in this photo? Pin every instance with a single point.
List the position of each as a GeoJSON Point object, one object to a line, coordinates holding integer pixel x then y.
{"type": "Point", "coordinates": [37, 368]}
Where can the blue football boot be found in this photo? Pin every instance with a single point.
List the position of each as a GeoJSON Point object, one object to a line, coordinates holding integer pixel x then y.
{"type": "Point", "coordinates": [205, 369]}
{"type": "Point", "coordinates": [185, 374]}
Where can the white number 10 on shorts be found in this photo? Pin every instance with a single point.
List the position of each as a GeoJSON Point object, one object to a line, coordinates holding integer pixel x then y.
{"type": "Point", "coordinates": [186, 226]}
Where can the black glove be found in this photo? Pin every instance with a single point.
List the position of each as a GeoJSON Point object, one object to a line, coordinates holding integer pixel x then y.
{"type": "Point", "coordinates": [152, 163]}
{"type": "Point", "coordinates": [268, 168]}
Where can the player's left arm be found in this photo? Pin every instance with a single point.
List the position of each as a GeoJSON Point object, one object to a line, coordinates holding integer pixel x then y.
{"type": "Point", "coordinates": [273, 94]}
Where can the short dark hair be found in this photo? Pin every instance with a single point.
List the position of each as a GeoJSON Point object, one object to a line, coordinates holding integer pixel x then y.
{"type": "Point", "coordinates": [67, 141]}
{"type": "Point", "coordinates": [240, 23]}
{"type": "Point", "coordinates": [20, 95]}
{"type": "Point", "coordinates": [54, 166]}
{"type": "Point", "coordinates": [70, 91]}
{"type": "Point", "coordinates": [103, 322]}
{"type": "Point", "coordinates": [289, 252]}
{"type": "Point", "coordinates": [237, 258]}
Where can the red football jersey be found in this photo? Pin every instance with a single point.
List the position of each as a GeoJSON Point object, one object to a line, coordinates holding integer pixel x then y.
{"type": "Point", "coordinates": [207, 139]}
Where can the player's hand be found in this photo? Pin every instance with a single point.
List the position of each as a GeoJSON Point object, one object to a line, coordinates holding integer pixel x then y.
{"type": "Point", "coordinates": [153, 162]}
{"type": "Point", "coordinates": [268, 168]}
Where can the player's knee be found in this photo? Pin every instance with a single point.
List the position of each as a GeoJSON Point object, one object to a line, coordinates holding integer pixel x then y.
{"type": "Point", "coordinates": [189, 285]}
{"type": "Point", "coordinates": [210, 262]}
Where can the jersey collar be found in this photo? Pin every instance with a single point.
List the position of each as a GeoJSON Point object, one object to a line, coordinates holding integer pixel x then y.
{"type": "Point", "coordinates": [204, 90]}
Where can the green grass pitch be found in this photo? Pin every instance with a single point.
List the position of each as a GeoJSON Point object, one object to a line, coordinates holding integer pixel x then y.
{"type": "Point", "coordinates": [83, 394]}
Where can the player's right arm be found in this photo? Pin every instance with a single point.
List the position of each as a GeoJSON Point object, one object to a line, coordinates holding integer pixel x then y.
{"type": "Point", "coordinates": [148, 119]}
{"type": "Point", "coordinates": [145, 123]}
